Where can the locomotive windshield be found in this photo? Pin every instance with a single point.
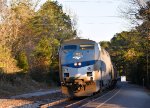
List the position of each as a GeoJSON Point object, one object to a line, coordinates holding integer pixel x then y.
{"type": "Point", "coordinates": [86, 46]}
{"type": "Point", "coordinates": [70, 47]}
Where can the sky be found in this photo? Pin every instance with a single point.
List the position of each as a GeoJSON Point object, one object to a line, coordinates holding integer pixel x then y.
{"type": "Point", "coordinates": [98, 20]}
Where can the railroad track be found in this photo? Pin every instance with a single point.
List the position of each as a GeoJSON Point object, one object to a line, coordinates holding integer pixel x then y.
{"type": "Point", "coordinates": [64, 103]}
{"type": "Point", "coordinates": [73, 102]}
{"type": "Point", "coordinates": [51, 104]}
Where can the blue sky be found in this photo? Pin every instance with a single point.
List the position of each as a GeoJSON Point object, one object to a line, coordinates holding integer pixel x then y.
{"type": "Point", "coordinates": [97, 20]}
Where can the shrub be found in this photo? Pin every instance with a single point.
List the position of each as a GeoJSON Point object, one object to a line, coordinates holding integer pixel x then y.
{"type": "Point", "coordinates": [22, 61]}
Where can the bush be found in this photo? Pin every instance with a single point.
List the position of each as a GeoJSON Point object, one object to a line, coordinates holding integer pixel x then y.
{"type": "Point", "coordinates": [22, 61]}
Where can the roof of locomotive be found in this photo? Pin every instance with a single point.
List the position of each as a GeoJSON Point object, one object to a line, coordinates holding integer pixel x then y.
{"type": "Point", "coordinates": [79, 41]}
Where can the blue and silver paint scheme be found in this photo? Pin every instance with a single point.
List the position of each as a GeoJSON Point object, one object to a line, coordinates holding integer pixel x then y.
{"type": "Point", "coordinates": [77, 61]}
{"type": "Point", "coordinates": [84, 67]}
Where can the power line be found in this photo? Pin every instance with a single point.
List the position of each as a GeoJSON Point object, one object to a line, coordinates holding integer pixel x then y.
{"type": "Point", "coordinates": [100, 16]}
{"type": "Point", "coordinates": [90, 1]}
{"type": "Point", "coordinates": [91, 23]}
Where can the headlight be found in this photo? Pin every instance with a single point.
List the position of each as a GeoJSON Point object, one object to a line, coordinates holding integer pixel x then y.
{"type": "Point", "coordinates": [75, 64]}
{"type": "Point", "coordinates": [79, 64]}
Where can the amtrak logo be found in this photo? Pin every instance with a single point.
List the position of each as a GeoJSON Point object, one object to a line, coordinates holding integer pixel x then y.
{"type": "Point", "coordinates": [77, 56]}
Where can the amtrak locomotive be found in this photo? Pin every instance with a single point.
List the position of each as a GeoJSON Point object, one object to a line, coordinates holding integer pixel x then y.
{"type": "Point", "coordinates": [85, 68]}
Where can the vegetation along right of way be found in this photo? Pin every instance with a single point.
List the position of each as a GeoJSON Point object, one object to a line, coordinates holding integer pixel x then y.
{"type": "Point", "coordinates": [130, 50]}
{"type": "Point", "coordinates": [30, 38]}
{"type": "Point", "coordinates": [29, 41]}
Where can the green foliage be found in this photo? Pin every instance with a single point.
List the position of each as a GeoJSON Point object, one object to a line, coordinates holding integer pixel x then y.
{"type": "Point", "coordinates": [105, 44]}
{"type": "Point", "coordinates": [48, 28]}
{"type": "Point", "coordinates": [43, 49]}
{"type": "Point", "coordinates": [130, 49]}
{"type": "Point", "coordinates": [33, 37]}
{"type": "Point", "coordinates": [127, 50]}
{"type": "Point", "coordinates": [50, 21]}
{"type": "Point", "coordinates": [23, 61]}
{"type": "Point", "coordinates": [132, 54]}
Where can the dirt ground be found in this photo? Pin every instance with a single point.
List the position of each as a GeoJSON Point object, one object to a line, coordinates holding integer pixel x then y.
{"type": "Point", "coordinates": [30, 100]}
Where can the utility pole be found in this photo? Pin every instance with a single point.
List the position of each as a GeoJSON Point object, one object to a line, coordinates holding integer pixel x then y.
{"type": "Point", "coordinates": [147, 72]}
{"type": "Point", "coordinates": [143, 4]}
{"type": "Point", "coordinates": [147, 57]}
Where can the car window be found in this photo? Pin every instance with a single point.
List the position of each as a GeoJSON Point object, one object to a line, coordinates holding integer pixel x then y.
{"type": "Point", "coordinates": [70, 47]}
{"type": "Point", "coordinates": [86, 46]}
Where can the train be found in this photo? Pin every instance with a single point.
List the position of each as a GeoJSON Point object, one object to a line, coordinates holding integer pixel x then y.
{"type": "Point", "coordinates": [85, 68]}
